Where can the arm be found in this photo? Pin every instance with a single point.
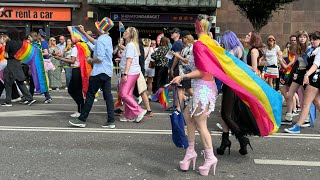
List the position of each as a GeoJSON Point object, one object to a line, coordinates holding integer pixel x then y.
{"type": "Point", "coordinates": [196, 74]}
{"type": "Point", "coordinates": [85, 33]}
{"type": "Point", "coordinates": [100, 50]}
{"type": "Point", "coordinates": [45, 52]}
{"type": "Point", "coordinates": [72, 60]}
{"type": "Point", "coordinates": [178, 56]}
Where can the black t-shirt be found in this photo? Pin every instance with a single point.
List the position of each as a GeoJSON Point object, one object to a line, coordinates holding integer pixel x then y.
{"type": "Point", "coordinates": [12, 48]}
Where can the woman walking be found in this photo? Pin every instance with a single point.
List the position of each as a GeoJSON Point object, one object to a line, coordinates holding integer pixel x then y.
{"type": "Point", "coordinates": [130, 71]}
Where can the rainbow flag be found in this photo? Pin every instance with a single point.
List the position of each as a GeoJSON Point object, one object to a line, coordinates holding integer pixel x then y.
{"type": "Point", "coordinates": [288, 71]}
{"type": "Point", "coordinates": [31, 54]}
{"type": "Point", "coordinates": [264, 102]}
{"type": "Point", "coordinates": [85, 67]}
{"type": "Point", "coordinates": [76, 35]}
{"type": "Point", "coordinates": [163, 96]}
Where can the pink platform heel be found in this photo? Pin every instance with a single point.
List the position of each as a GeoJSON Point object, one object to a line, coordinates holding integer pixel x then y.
{"type": "Point", "coordinates": [191, 155]}
{"type": "Point", "coordinates": [210, 161]}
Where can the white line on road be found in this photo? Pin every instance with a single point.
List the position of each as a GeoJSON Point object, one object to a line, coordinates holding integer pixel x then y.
{"type": "Point", "coordinates": [287, 162]}
{"type": "Point", "coordinates": [130, 131]}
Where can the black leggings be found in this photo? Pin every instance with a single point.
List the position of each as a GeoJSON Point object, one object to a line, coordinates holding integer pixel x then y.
{"type": "Point", "coordinates": [75, 88]}
{"type": "Point", "coordinates": [160, 78]}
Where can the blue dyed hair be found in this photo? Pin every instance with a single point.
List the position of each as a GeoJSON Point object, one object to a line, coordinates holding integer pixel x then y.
{"type": "Point", "coordinates": [231, 42]}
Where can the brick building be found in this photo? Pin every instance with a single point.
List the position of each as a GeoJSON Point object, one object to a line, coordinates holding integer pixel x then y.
{"type": "Point", "coordinates": [299, 15]}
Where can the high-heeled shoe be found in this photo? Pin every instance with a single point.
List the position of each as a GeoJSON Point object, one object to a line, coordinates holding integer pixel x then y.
{"type": "Point", "coordinates": [243, 145]}
{"type": "Point", "coordinates": [191, 155]}
{"type": "Point", "coordinates": [209, 161]}
{"type": "Point", "coordinates": [225, 143]}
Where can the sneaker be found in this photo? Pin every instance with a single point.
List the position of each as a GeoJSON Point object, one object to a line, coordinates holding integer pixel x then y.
{"type": "Point", "coordinates": [16, 100]}
{"type": "Point", "coordinates": [95, 100]}
{"type": "Point", "coordinates": [109, 125]}
{"type": "Point", "coordinates": [294, 130]}
{"type": "Point", "coordinates": [123, 119]}
{"type": "Point", "coordinates": [118, 112]}
{"type": "Point", "coordinates": [47, 101]}
{"type": "Point", "coordinates": [150, 97]}
{"type": "Point", "coordinates": [75, 115]}
{"type": "Point", "coordinates": [295, 114]}
{"type": "Point", "coordinates": [286, 122]}
{"type": "Point", "coordinates": [141, 115]}
{"type": "Point", "coordinates": [31, 102]}
{"type": "Point", "coordinates": [50, 89]}
{"type": "Point", "coordinates": [305, 124]}
{"type": "Point", "coordinates": [149, 114]}
{"type": "Point", "coordinates": [57, 89]}
{"type": "Point", "coordinates": [298, 109]}
{"type": "Point", "coordinates": [66, 88]}
{"type": "Point", "coordinates": [288, 116]}
{"type": "Point", "coordinates": [77, 123]}
{"type": "Point", "coordinates": [139, 100]}
{"type": "Point", "coordinates": [6, 104]}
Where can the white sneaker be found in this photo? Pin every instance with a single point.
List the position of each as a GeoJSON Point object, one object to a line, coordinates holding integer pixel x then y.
{"type": "Point", "coordinates": [95, 100]}
{"type": "Point", "coordinates": [139, 100]}
{"type": "Point", "coordinates": [75, 115]}
{"type": "Point", "coordinates": [16, 100]}
{"type": "Point", "coordinates": [288, 116]}
{"type": "Point", "coordinates": [123, 119]}
{"type": "Point", "coordinates": [66, 88]}
{"type": "Point", "coordinates": [141, 115]}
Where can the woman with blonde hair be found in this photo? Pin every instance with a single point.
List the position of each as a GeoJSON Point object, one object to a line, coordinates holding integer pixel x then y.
{"type": "Point", "coordinates": [299, 70]}
{"type": "Point", "coordinates": [201, 105]}
{"type": "Point", "coordinates": [130, 72]}
{"type": "Point", "coordinates": [54, 75]}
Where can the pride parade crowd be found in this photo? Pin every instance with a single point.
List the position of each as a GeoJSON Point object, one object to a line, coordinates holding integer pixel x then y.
{"type": "Point", "coordinates": [251, 73]}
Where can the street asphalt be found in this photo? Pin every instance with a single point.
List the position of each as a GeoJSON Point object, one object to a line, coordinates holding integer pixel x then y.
{"type": "Point", "coordinates": [37, 142]}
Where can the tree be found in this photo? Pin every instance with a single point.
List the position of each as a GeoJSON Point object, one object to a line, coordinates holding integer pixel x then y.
{"type": "Point", "coordinates": [259, 12]}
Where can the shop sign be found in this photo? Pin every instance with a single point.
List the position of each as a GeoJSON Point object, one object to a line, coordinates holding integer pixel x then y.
{"type": "Point", "coordinates": [153, 18]}
{"type": "Point", "coordinates": [35, 13]}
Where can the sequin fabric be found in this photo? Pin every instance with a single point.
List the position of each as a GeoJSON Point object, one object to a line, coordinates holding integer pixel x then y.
{"type": "Point", "coordinates": [205, 93]}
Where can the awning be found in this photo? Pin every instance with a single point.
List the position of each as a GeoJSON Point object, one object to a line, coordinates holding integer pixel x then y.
{"type": "Point", "coordinates": [42, 4]}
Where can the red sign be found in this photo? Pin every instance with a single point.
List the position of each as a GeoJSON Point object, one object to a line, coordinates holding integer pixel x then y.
{"type": "Point", "coordinates": [35, 13]}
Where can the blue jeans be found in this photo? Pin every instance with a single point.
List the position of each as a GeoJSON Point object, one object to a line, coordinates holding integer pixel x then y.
{"type": "Point", "coordinates": [102, 81]}
{"type": "Point", "coordinates": [68, 75]}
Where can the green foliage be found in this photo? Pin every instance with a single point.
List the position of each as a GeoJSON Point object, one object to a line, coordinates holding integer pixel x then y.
{"type": "Point", "coordinates": [259, 12]}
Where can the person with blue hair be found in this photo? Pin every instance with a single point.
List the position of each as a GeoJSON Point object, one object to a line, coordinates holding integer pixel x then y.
{"type": "Point", "coordinates": [236, 115]}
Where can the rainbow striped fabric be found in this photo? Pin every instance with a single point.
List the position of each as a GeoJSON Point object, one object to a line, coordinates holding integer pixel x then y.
{"type": "Point", "coordinates": [76, 35]}
{"type": "Point", "coordinates": [31, 54]}
{"type": "Point", "coordinates": [264, 102]}
{"type": "Point", "coordinates": [163, 96]}
{"type": "Point", "coordinates": [85, 67]}
{"type": "Point", "coordinates": [288, 71]}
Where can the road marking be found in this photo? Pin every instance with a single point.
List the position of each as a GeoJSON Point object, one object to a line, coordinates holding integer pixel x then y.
{"type": "Point", "coordinates": [287, 162]}
{"type": "Point", "coordinates": [129, 131]}
{"type": "Point", "coordinates": [27, 113]}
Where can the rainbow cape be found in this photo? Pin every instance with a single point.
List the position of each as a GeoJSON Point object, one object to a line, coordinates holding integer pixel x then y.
{"type": "Point", "coordinates": [288, 71]}
{"type": "Point", "coordinates": [85, 67]}
{"type": "Point", "coordinates": [264, 102]}
{"type": "Point", "coordinates": [76, 35]}
{"type": "Point", "coordinates": [31, 54]}
{"type": "Point", "coordinates": [163, 96]}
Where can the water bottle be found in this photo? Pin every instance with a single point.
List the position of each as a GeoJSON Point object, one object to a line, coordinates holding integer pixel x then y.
{"type": "Point", "coordinates": [315, 77]}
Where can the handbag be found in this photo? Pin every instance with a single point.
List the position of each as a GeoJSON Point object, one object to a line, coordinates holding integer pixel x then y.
{"type": "Point", "coordinates": [178, 124]}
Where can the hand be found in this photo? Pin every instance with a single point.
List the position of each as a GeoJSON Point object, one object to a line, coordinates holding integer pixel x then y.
{"type": "Point", "coordinates": [89, 60]}
{"type": "Point", "coordinates": [81, 28]}
{"type": "Point", "coordinates": [305, 80]}
{"type": "Point", "coordinates": [176, 80]}
{"type": "Point", "coordinates": [122, 46]}
{"type": "Point", "coordinates": [124, 78]}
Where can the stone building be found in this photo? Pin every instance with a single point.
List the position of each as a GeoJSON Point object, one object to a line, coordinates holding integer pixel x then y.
{"type": "Point", "coordinates": [299, 15]}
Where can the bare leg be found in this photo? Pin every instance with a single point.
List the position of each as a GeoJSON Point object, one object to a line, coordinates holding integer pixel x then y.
{"type": "Point", "coordinates": [145, 100]}
{"type": "Point", "coordinates": [201, 122]}
{"type": "Point", "coordinates": [149, 83]}
{"type": "Point", "coordinates": [310, 94]}
{"type": "Point", "coordinates": [284, 92]}
{"type": "Point", "coordinates": [293, 88]}
{"type": "Point", "coordinates": [191, 126]}
{"type": "Point", "coordinates": [297, 99]}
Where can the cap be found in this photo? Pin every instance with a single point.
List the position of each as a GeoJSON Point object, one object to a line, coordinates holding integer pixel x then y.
{"type": "Point", "coordinates": [177, 30]}
{"type": "Point", "coordinates": [42, 33]}
{"type": "Point", "coordinates": [271, 37]}
{"type": "Point", "coordinates": [104, 25]}
{"type": "Point", "coordinates": [184, 33]}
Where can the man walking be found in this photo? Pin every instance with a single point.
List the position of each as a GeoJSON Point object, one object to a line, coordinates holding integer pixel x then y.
{"type": "Point", "coordinates": [101, 74]}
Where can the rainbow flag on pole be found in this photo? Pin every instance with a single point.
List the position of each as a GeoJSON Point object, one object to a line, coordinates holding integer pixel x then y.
{"type": "Point", "coordinates": [264, 102]}
{"type": "Point", "coordinates": [76, 35]}
{"type": "Point", "coordinates": [163, 96]}
{"type": "Point", "coordinates": [288, 71]}
{"type": "Point", "coordinates": [31, 54]}
{"type": "Point", "coordinates": [85, 67]}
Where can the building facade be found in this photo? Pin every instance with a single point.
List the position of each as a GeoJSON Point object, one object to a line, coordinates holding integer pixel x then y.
{"type": "Point", "coordinates": [299, 15]}
{"type": "Point", "coordinates": [150, 17]}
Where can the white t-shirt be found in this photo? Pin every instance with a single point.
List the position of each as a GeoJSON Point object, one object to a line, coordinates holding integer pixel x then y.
{"type": "Point", "coordinates": [74, 53]}
{"type": "Point", "coordinates": [271, 55]}
{"type": "Point", "coordinates": [130, 52]}
{"type": "Point", "coordinates": [316, 52]}
{"type": "Point", "coordinates": [148, 56]}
